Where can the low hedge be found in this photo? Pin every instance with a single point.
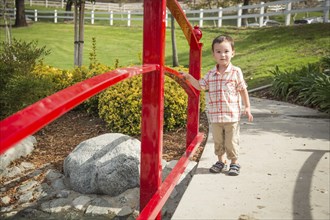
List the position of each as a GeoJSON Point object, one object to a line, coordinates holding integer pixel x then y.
{"type": "Point", "coordinates": [308, 86]}
{"type": "Point", "coordinates": [120, 106]}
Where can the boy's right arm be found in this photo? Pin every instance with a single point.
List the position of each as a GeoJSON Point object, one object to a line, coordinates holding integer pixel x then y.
{"type": "Point", "coordinates": [194, 82]}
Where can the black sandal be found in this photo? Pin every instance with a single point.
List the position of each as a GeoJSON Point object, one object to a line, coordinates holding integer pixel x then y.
{"type": "Point", "coordinates": [234, 169]}
{"type": "Point", "coordinates": [217, 167]}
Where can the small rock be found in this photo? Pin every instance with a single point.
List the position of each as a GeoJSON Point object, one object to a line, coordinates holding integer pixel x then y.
{"type": "Point", "coordinates": [6, 209]}
{"type": "Point", "coordinates": [35, 173]}
{"type": "Point", "coordinates": [114, 210]}
{"type": "Point", "coordinates": [58, 184]}
{"type": "Point", "coordinates": [26, 197]}
{"type": "Point", "coordinates": [80, 202]}
{"type": "Point", "coordinates": [27, 186]}
{"type": "Point", "coordinates": [53, 174]}
{"type": "Point", "coordinates": [56, 206]}
{"type": "Point", "coordinates": [98, 207]}
{"type": "Point", "coordinates": [14, 171]}
{"type": "Point", "coordinates": [5, 200]}
{"type": "Point", "coordinates": [63, 194]}
{"type": "Point", "coordinates": [27, 165]}
{"type": "Point", "coordinates": [125, 211]}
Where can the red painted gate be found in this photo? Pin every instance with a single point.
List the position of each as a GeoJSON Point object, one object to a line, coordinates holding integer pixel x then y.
{"type": "Point", "coordinates": [153, 192]}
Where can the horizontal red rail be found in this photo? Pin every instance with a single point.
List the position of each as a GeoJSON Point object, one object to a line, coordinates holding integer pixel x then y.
{"type": "Point", "coordinates": [158, 200]}
{"type": "Point", "coordinates": [34, 117]}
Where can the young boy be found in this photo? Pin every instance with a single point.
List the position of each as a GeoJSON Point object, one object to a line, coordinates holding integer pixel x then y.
{"type": "Point", "coordinates": [226, 87]}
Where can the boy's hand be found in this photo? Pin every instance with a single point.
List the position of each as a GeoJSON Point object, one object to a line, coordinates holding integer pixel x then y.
{"type": "Point", "coordinates": [248, 113]}
{"type": "Point", "coordinates": [185, 75]}
{"type": "Point", "coordinates": [191, 79]}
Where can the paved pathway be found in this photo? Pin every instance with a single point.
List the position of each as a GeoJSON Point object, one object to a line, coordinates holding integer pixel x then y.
{"type": "Point", "coordinates": [285, 169]}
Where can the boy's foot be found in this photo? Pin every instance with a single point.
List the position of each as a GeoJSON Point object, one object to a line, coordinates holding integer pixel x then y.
{"type": "Point", "coordinates": [234, 169]}
{"type": "Point", "coordinates": [217, 167]}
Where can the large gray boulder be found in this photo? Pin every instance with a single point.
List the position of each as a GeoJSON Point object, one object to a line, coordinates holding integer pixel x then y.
{"type": "Point", "coordinates": [108, 164]}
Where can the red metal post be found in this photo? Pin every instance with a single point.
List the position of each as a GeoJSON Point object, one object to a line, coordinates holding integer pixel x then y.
{"type": "Point", "coordinates": [194, 70]}
{"type": "Point", "coordinates": [152, 100]}
{"type": "Point", "coordinates": [160, 197]}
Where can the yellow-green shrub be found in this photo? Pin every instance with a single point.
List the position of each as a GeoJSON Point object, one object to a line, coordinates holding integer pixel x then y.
{"type": "Point", "coordinates": [120, 106]}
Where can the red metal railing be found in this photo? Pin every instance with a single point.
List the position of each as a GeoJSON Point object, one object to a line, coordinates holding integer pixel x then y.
{"type": "Point", "coordinates": [31, 119]}
{"type": "Point", "coordinates": [153, 193]}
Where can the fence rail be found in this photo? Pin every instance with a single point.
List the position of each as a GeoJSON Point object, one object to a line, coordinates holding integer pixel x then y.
{"type": "Point", "coordinates": [91, 6]}
{"type": "Point", "coordinates": [203, 17]}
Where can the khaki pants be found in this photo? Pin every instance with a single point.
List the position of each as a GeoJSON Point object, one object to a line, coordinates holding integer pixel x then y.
{"type": "Point", "coordinates": [226, 139]}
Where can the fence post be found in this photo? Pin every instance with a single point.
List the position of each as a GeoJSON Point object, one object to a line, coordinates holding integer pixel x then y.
{"type": "Point", "coordinates": [62, 3]}
{"type": "Point", "coordinates": [152, 101]}
{"type": "Point", "coordinates": [111, 18]}
{"type": "Point", "coordinates": [128, 18]}
{"type": "Point", "coordinates": [288, 14]}
{"type": "Point", "coordinates": [201, 14]}
{"type": "Point", "coordinates": [30, 2]}
{"type": "Point", "coordinates": [92, 17]}
{"type": "Point", "coordinates": [326, 11]}
{"type": "Point", "coordinates": [195, 58]}
{"type": "Point", "coordinates": [262, 12]}
{"type": "Point", "coordinates": [220, 17]}
{"type": "Point", "coordinates": [239, 15]}
{"type": "Point", "coordinates": [35, 15]}
{"type": "Point", "coordinates": [46, 3]}
{"type": "Point", "coordinates": [55, 16]}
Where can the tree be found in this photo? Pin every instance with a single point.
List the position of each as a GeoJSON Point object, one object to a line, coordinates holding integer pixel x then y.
{"type": "Point", "coordinates": [68, 7]}
{"type": "Point", "coordinates": [20, 14]}
{"type": "Point", "coordinates": [244, 12]}
{"type": "Point", "coordinates": [79, 16]}
{"type": "Point", "coordinates": [174, 51]}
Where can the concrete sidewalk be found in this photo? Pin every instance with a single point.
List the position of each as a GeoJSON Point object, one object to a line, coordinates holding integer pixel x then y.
{"type": "Point", "coordinates": [285, 169]}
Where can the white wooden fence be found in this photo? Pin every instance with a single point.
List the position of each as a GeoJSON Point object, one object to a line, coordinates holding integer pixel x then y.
{"type": "Point", "coordinates": [88, 5]}
{"type": "Point", "coordinates": [213, 17]}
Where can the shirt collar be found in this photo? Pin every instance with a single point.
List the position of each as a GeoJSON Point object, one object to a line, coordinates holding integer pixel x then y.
{"type": "Point", "coordinates": [228, 70]}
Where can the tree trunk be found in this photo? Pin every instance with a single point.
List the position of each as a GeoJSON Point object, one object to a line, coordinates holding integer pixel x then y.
{"type": "Point", "coordinates": [20, 14]}
{"type": "Point", "coordinates": [68, 7]}
{"type": "Point", "coordinates": [245, 12]}
{"type": "Point", "coordinates": [76, 34]}
{"type": "Point", "coordinates": [79, 10]}
{"type": "Point", "coordinates": [81, 32]}
{"type": "Point", "coordinates": [174, 51]}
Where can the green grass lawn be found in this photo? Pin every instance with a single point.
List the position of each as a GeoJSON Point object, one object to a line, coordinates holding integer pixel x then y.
{"type": "Point", "coordinates": [258, 50]}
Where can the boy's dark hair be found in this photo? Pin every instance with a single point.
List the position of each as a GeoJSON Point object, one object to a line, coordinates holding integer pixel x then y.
{"type": "Point", "coordinates": [222, 38]}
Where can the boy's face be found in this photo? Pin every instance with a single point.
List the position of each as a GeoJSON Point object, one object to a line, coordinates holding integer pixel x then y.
{"type": "Point", "coordinates": [222, 53]}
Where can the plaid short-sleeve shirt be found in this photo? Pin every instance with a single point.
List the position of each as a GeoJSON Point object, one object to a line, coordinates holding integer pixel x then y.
{"type": "Point", "coordinates": [224, 101]}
